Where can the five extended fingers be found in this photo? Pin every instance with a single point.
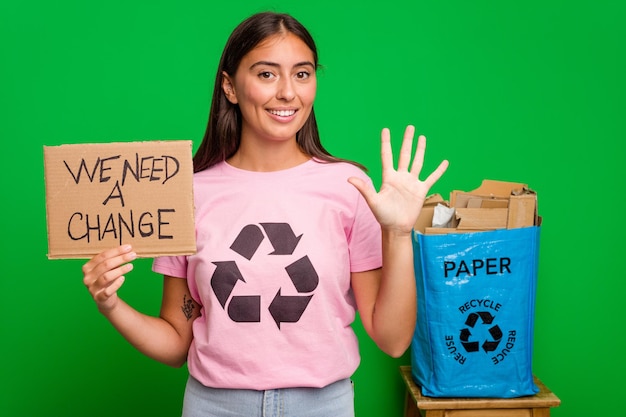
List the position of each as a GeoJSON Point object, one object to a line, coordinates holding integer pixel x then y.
{"type": "Point", "coordinates": [405, 155]}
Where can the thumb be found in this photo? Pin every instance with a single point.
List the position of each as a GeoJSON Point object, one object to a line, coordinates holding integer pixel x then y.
{"type": "Point", "coordinates": [366, 191]}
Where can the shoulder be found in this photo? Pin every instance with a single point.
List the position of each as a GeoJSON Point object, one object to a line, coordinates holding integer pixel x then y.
{"type": "Point", "coordinates": [343, 169]}
{"type": "Point", "coordinates": [210, 175]}
{"type": "Point", "coordinates": [212, 170]}
{"type": "Point", "coordinates": [332, 178]}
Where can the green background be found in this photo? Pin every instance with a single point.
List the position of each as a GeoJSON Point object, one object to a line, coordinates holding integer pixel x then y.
{"type": "Point", "coordinates": [529, 91]}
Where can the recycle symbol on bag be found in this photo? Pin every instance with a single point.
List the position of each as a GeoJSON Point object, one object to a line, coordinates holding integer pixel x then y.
{"type": "Point", "coordinates": [489, 345]}
{"type": "Point", "coordinates": [247, 308]}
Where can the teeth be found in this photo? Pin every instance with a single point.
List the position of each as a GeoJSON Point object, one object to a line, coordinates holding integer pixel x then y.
{"type": "Point", "coordinates": [283, 113]}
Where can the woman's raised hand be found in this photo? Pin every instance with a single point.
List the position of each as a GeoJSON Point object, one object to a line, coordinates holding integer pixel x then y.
{"type": "Point", "coordinates": [401, 197]}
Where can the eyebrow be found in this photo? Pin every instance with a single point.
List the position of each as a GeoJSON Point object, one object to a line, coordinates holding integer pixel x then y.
{"type": "Point", "coordinates": [274, 64]}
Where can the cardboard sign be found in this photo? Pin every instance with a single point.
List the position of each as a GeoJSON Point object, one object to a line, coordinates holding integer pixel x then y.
{"type": "Point", "coordinates": [99, 196]}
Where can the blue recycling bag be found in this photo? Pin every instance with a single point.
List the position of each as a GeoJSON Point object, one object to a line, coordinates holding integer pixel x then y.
{"type": "Point", "coordinates": [476, 302]}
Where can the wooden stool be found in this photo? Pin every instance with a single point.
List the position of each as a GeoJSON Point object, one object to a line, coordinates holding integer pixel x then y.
{"type": "Point", "coordinates": [532, 406]}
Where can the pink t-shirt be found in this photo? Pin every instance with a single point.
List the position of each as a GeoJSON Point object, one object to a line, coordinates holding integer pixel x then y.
{"type": "Point", "coordinates": [272, 274]}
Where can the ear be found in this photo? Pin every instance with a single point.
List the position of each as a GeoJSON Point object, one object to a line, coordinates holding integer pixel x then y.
{"type": "Point", "coordinates": [229, 88]}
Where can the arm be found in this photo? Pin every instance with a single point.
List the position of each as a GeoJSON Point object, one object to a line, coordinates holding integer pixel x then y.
{"type": "Point", "coordinates": [165, 338]}
{"type": "Point", "coordinates": [387, 297]}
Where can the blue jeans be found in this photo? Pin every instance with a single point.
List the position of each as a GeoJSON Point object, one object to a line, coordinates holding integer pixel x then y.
{"type": "Point", "coordinates": [334, 400]}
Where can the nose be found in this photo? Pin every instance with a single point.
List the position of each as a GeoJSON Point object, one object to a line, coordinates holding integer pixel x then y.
{"type": "Point", "coordinates": [286, 89]}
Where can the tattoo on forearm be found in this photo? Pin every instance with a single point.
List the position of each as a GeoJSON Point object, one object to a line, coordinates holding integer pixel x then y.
{"type": "Point", "coordinates": [187, 307]}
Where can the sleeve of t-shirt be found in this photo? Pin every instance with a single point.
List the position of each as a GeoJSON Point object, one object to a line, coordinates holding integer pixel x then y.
{"type": "Point", "coordinates": [364, 242]}
{"type": "Point", "coordinates": [173, 266]}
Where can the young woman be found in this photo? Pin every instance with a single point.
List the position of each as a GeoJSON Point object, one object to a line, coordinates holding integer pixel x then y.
{"type": "Point", "coordinates": [291, 242]}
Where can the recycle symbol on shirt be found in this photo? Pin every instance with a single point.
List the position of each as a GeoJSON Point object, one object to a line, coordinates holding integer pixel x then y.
{"type": "Point", "coordinates": [247, 308]}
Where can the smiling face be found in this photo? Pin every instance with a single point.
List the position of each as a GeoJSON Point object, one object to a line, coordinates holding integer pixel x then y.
{"type": "Point", "coordinates": [275, 87]}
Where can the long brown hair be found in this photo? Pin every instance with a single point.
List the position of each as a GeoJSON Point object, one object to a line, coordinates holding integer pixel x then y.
{"type": "Point", "coordinates": [223, 133]}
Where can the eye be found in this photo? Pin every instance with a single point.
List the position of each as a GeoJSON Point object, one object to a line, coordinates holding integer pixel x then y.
{"type": "Point", "coordinates": [266, 75]}
{"type": "Point", "coordinates": [302, 75]}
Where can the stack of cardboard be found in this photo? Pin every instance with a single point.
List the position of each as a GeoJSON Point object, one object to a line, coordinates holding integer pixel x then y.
{"type": "Point", "coordinates": [493, 205]}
